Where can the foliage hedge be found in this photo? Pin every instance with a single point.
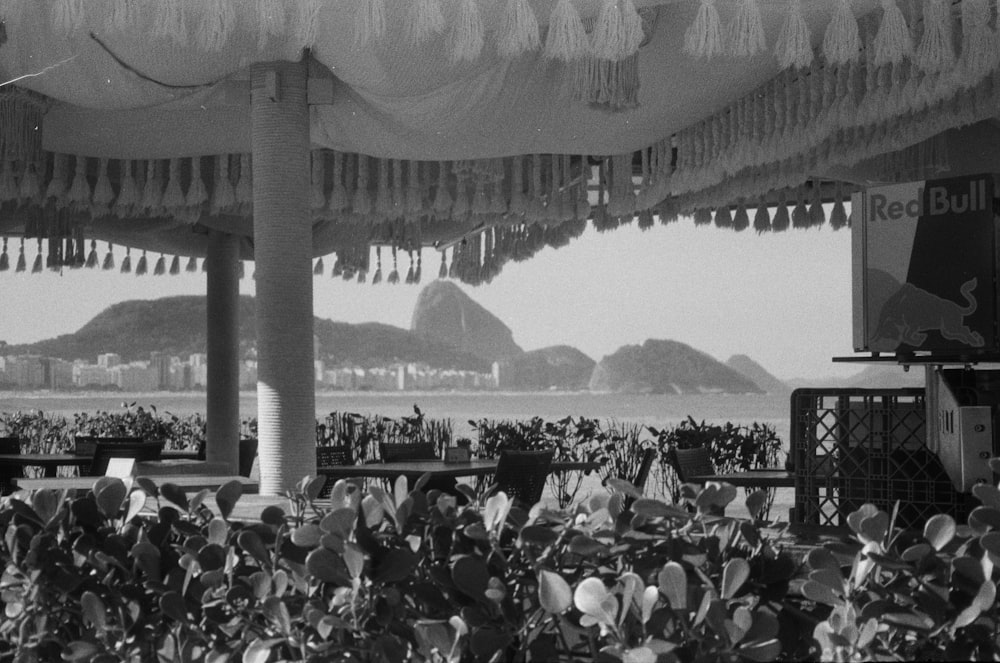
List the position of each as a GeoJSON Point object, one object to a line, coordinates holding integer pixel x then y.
{"type": "Point", "coordinates": [153, 574]}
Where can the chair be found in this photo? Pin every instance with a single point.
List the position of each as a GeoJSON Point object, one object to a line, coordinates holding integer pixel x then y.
{"type": "Point", "coordinates": [394, 453]}
{"type": "Point", "coordinates": [641, 474]}
{"type": "Point", "coordinates": [522, 474]}
{"type": "Point", "coordinates": [107, 448]}
{"type": "Point", "coordinates": [328, 456]}
{"type": "Point", "coordinates": [248, 452]}
{"type": "Point", "coordinates": [692, 463]}
{"type": "Point", "coordinates": [8, 473]}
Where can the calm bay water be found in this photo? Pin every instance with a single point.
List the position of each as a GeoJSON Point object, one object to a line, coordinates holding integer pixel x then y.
{"type": "Point", "coordinates": [644, 409]}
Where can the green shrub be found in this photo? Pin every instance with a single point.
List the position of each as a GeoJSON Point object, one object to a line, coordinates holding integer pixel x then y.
{"type": "Point", "coordinates": [384, 576]}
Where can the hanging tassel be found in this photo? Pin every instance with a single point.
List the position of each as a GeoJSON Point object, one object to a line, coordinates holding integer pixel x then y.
{"type": "Point", "coordinates": [78, 196]}
{"type": "Point", "coordinates": [152, 195]}
{"type": "Point", "coordinates": [140, 267]}
{"type": "Point", "coordinates": [369, 21]}
{"type": "Point", "coordinates": [338, 195]}
{"type": "Point", "coordinates": [936, 52]}
{"type": "Point", "coordinates": [36, 267]}
{"type": "Point", "coordinates": [383, 197]}
{"type": "Point", "coordinates": [103, 193]}
{"type": "Point", "coordinates": [394, 274]}
{"type": "Point", "coordinates": [397, 194]}
{"type": "Point", "coordinates": [307, 22]}
{"type": "Point", "coordinates": [22, 263]}
{"type": "Point", "coordinates": [842, 40]}
{"type": "Point", "coordinates": [223, 193]}
{"type": "Point", "coordinates": [780, 222]}
{"type": "Point", "coordinates": [109, 260]}
{"type": "Point", "coordinates": [794, 47]}
{"type": "Point", "coordinates": [217, 23]}
{"type": "Point", "coordinates": [567, 37]}
{"type": "Point", "coordinates": [92, 256]}
{"type": "Point", "coordinates": [161, 267]}
{"type": "Point", "coordinates": [980, 49]}
{"type": "Point", "coordinates": [8, 184]}
{"type": "Point", "coordinates": [244, 187]}
{"type": "Point", "coordinates": [197, 194]}
{"type": "Point", "coordinates": [443, 269]}
{"type": "Point", "coordinates": [68, 15]}
{"type": "Point", "coordinates": [127, 262]}
{"type": "Point", "coordinates": [703, 217]}
{"type": "Point", "coordinates": [800, 213]}
{"type": "Point", "coordinates": [128, 193]}
{"type": "Point", "coordinates": [414, 200]}
{"type": "Point", "coordinates": [704, 38]}
{"type": "Point", "coordinates": [467, 33]}
{"type": "Point", "coordinates": [377, 277]}
{"type": "Point", "coordinates": [838, 215]}
{"type": "Point", "coordinates": [56, 190]}
{"type": "Point", "coordinates": [723, 217]}
{"type": "Point", "coordinates": [746, 33]}
{"type": "Point", "coordinates": [169, 21]}
{"type": "Point", "coordinates": [762, 219]}
{"type": "Point", "coordinates": [362, 203]}
{"type": "Point", "coordinates": [318, 268]}
{"type": "Point", "coordinates": [518, 33]}
{"type": "Point", "coordinates": [893, 41]}
{"type": "Point", "coordinates": [462, 205]}
{"type": "Point", "coordinates": [409, 272]}
{"type": "Point", "coordinates": [123, 16]}
{"type": "Point", "coordinates": [817, 217]}
{"type": "Point", "coordinates": [417, 272]}
{"type": "Point", "coordinates": [175, 266]}
{"type": "Point", "coordinates": [29, 187]}
{"type": "Point", "coordinates": [241, 270]}
{"type": "Point", "coordinates": [442, 196]}
{"type": "Point", "coordinates": [608, 39]}
{"type": "Point", "coordinates": [423, 22]}
{"type": "Point", "coordinates": [173, 195]}
{"type": "Point", "coordinates": [4, 259]}
{"type": "Point", "coordinates": [270, 21]}
{"type": "Point", "coordinates": [741, 220]}
{"type": "Point", "coordinates": [192, 265]}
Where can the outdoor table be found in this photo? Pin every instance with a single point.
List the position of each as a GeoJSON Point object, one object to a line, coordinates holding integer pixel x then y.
{"type": "Point", "coordinates": [186, 481]}
{"type": "Point", "coordinates": [766, 478]}
{"type": "Point", "coordinates": [49, 462]}
{"type": "Point", "coordinates": [414, 469]}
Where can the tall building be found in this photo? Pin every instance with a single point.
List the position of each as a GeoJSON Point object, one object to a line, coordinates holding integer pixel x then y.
{"type": "Point", "coordinates": [108, 360]}
{"type": "Point", "coordinates": [159, 363]}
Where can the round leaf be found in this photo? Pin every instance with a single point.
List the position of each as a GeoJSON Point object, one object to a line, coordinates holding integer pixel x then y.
{"type": "Point", "coordinates": [939, 530]}
{"type": "Point", "coordinates": [174, 493]}
{"type": "Point", "coordinates": [227, 496]}
{"type": "Point", "coordinates": [673, 583]}
{"type": "Point", "coordinates": [734, 574]}
{"type": "Point", "coordinates": [93, 610]}
{"type": "Point", "coordinates": [307, 535]}
{"type": "Point", "coordinates": [251, 542]}
{"type": "Point", "coordinates": [471, 576]}
{"type": "Point", "coordinates": [172, 605]}
{"type": "Point", "coordinates": [554, 593]}
{"type": "Point", "coordinates": [325, 565]}
{"type": "Point", "coordinates": [259, 650]}
{"type": "Point", "coordinates": [109, 495]}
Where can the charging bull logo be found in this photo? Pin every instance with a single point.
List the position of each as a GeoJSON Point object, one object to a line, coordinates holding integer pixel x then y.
{"type": "Point", "coordinates": [910, 312]}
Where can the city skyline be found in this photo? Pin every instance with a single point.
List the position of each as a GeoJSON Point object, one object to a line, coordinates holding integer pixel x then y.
{"type": "Point", "coordinates": [781, 298]}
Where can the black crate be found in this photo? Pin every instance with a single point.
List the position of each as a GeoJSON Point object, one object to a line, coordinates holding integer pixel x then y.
{"type": "Point", "coordinates": [855, 446]}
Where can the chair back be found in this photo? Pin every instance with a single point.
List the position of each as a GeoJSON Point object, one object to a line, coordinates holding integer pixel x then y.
{"type": "Point", "coordinates": [107, 448]}
{"type": "Point", "coordinates": [522, 474]}
{"type": "Point", "coordinates": [645, 465]}
{"type": "Point", "coordinates": [394, 453]}
{"type": "Point", "coordinates": [333, 455]}
{"type": "Point", "coordinates": [248, 452]}
{"type": "Point", "coordinates": [9, 445]}
{"type": "Point", "coordinates": [692, 462]}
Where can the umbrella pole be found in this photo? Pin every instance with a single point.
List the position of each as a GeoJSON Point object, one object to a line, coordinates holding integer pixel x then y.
{"type": "Point", "coordinates": [286, 401]}
{"type": "Point", "coordinates": [223, 345]}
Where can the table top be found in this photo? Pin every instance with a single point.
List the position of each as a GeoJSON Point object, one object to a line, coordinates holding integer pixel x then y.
{"type": "Point", "coordinates": [764, 478]}
{"type": "Point", "coordinates": [187, 481]}
{"type": "Point", "coordinates": [438, 468]}
{"type": "Point", "coordinates": [48, 459]}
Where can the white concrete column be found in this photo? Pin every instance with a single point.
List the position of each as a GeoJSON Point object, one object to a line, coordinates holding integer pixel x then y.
{"type": "Point", "coordinates": [223, 346]}
{"type": "Point", "coordinates": [286, 402]}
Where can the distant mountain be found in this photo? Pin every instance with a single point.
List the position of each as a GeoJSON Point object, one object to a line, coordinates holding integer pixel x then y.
{"type": "Point", "coordinates": [176, 326]}
{"type": "Point", "coordinates": [667, 367]}
{"type": "Point", "coordinates": [753, 371]}
{"type": "Point", "coordinates": [445, 314]}
{"type": "Point", "coordinates": [558, 367]}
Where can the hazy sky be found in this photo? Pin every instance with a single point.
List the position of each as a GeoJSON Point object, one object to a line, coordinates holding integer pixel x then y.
{"type": "Point", "coordinates": [783, 299]}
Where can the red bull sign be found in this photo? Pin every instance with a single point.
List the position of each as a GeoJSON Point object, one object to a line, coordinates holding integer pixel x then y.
{"type": "Point", "coordinates": [925, 263]}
